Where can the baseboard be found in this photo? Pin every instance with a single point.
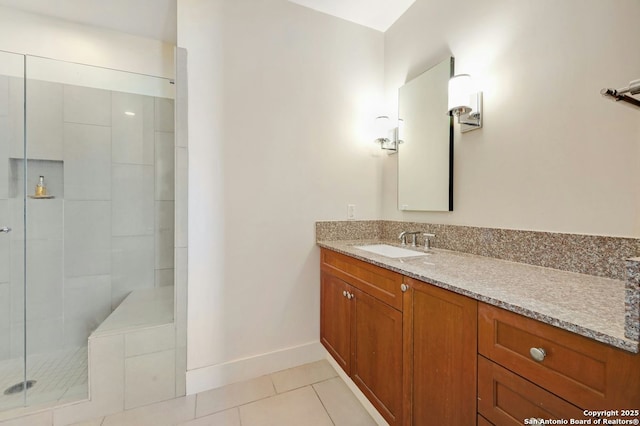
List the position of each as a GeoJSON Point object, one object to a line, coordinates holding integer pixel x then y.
{"type": "Point", "coordinates": [377, 417]}
{"type": "Point", "coordinates": [215, 376]}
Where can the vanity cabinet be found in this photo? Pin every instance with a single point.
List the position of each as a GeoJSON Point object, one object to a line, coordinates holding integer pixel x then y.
{"type": "Point", "coordinates": [361, 327]}
{"type": "Point", "coordinates": [531, 369]}
{"type": "Point", "coordinates": [440, 356]}
{"type": "Point", "coordinates": [426, 356]}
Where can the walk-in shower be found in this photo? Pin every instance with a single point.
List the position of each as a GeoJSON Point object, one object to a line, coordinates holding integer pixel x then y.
{"type": "Point", "coordinates": [86, 213]}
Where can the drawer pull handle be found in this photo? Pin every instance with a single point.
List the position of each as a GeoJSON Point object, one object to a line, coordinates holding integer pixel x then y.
{"type": "Point", "coordinates": [537, 354]}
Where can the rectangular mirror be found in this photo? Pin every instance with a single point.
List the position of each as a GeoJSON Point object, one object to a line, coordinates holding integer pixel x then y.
{"type": "Point", "coordinates": [425, 154]}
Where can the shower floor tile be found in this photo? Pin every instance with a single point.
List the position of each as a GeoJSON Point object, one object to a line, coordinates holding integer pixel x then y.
{"type": "Point", "coordinates": [59, 376]}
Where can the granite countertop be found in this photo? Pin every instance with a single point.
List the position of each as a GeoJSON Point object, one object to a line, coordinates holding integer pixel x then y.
{"type": "Point", "coordinates": [587, 305]}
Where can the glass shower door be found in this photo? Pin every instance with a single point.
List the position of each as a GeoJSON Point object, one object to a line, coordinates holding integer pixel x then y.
{"type": "Point", "coordinates": [86, 214]}
{"type": "Point", "coordinates": [12, 232]}
{"type": "Point", "coordinates": [55, 363]}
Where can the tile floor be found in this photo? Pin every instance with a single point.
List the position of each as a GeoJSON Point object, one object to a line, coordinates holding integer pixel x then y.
{"type": "Point", "coordinates": [309, 395]}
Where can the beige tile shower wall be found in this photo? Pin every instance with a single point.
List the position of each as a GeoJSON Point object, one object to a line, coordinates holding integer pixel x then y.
{"type": "Point", "coordinates": [109, 229]}
{"type": "Point", "coordinates": [164, 192]}
{"type": "Point", "coordinates": [594, 255]}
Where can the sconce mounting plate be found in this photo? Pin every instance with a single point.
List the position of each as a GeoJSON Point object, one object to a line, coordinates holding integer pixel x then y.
{"type": "Point", "coordinates": [473, 120]}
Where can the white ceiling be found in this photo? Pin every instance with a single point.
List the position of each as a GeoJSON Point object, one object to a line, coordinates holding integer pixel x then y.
{"type": "Point", "coordinates": [376, 14]}
{"type": "Point", "coordinates": [156, 19]}
{"type": "Point", "coordinates": [147, 18]}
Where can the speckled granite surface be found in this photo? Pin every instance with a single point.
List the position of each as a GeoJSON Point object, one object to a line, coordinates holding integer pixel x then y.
{"type": "Point", "coordinates": [632, 299]}
{"type": "Point", "coordinates": [585, 254]}
{"type": "Point", "coordinates": [587, 305]}
{"type": "Point", "coordinates": [349, 230]}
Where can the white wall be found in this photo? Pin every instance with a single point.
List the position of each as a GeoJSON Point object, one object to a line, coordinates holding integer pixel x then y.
{"type": "Point", "coordinates": [553, 154]}
{"type": "Point", "coordinates": [280, 102]}
{"type": "Point", "coordinates": [27, 33]}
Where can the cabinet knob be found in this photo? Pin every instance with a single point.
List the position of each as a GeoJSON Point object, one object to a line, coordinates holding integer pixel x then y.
{"type": "Point", "coordinates": [404, 287]}
{"type": "Point", "coordinates": [348, 294]}
{"type": "Point", "coordinates": [537, 354]}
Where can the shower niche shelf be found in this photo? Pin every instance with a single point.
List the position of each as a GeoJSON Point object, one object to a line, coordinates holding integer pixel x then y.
{"type": "Point", "coordinates": [52, 170]}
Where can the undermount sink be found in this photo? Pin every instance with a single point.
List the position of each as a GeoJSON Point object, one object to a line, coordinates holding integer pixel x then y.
{"type": "Point", "coordinates": [390, 251]}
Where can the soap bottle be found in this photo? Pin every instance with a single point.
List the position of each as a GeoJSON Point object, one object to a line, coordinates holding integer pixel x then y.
{"type": "Point", "coordinates": [41, 189]}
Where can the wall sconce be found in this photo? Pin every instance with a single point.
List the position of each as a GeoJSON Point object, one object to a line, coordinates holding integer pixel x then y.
{"type": "Point", "coordinates": [465, 102]}
{"type": "Point", "coordinates": [387, 134]}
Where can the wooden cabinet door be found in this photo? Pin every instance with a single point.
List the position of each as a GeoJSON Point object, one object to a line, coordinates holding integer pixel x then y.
{"type": "Point", "coordinates": [376, 346]}
{"type": "Point", "coordinates": [440, 332]}
{"type": "Point", "coordinates": [335, 319]}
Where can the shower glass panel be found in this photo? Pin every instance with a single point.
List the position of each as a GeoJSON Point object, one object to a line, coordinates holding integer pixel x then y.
{"type": "Point", "coordinates": [89, 195]}
{"type": "Point", "coordinates": [12, 216]}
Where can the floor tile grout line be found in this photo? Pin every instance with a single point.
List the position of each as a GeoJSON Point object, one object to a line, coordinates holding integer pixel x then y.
{"type": "Point", "coordinates": [323, 406]}
{"type": "Point", "coordinates": [195, 405]}
{"type": "Point", "coordinates": [239, 417]}
{"type": "Point", "coordinates": [273, 384]}
{"type": "Point", "coordinates": [313, 382]}
{"type": "Point", "coordinates": [280, 394]}
{"type": "Point", "coordinates": [233, 406]}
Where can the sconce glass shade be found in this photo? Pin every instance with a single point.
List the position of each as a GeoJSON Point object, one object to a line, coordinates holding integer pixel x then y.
{"type": "Point", "coordinates": [465, 102]}
{"type": "Point", "coordinates": [382, 127]}
{"type": "Point", "coordinates": [460, 90]}
{"type": "Point", "coordinates": [386, 133]}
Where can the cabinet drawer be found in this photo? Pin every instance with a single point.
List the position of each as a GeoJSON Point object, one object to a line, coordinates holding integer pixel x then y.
{"type": "Point", "coordinates": [587, 373]}
{"type": "Point", "coordinates": [377, 282]}
{"type": "Point", "coordinates": [505, 398]}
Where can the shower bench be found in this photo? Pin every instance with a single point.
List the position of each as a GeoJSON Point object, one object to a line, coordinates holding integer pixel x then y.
{"type": "Point", "coordinates": [132, 358]}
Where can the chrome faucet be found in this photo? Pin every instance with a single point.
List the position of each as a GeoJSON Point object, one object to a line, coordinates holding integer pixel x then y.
{"type": "Point", "coordinates": [403, 238]}
{"type": "Point", "coordinates": [427, 240]}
